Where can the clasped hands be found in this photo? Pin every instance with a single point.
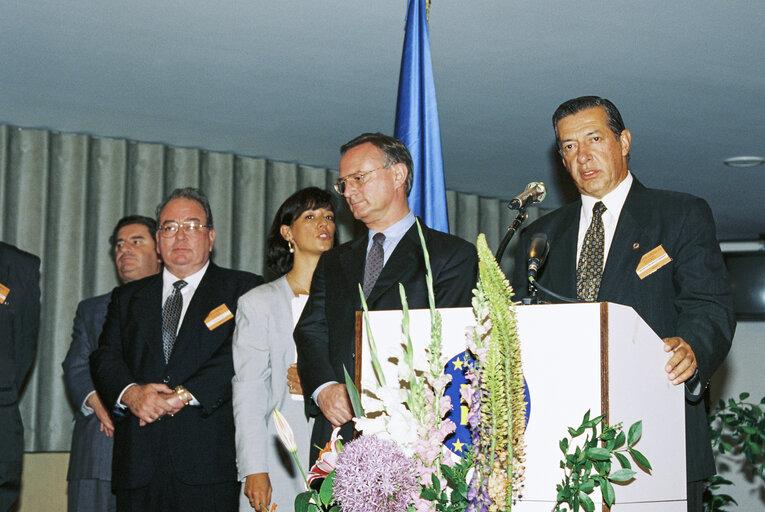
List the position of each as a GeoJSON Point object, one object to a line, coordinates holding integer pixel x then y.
{"type": "Point", "coordinates": [335, 405]}
{"type": "Point", "coordinates": [149, 402]}
{"type": "Point", "coordinates": [682, 365]}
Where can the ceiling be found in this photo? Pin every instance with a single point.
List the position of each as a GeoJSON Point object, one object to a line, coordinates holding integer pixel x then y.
{"type": "Point", "coordinates": [294, 80]}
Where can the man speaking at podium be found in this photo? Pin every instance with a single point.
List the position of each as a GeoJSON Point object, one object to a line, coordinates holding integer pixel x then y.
{"type": "Point", "coordinates": [653, 250]}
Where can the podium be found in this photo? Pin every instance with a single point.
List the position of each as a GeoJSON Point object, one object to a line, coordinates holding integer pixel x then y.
{"type": "Point", "coordinates": [600, 357]}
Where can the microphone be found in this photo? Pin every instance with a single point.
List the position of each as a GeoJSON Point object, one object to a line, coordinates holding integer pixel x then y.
{"type": "Point", "coordinates": [535, 192]}
{"type": "Point", "coordinates": [537, 253]}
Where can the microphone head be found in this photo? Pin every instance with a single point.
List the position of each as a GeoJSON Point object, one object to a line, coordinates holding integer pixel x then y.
{"type": "Point", "coordinates": [541, 191]}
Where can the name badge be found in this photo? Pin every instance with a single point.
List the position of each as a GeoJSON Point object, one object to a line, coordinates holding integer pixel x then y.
{"type": "Point", "coordinates": [4, 291]}
{"type": "Point", "coordinates": [218, 317]}
{"type": "Point", "coordinates": [652, 261]}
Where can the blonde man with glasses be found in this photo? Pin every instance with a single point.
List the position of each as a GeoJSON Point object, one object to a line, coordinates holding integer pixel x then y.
{"type": "Point", "coordinates": [164, 367]}
{"type": "Point", "coordinates": [375, 180]}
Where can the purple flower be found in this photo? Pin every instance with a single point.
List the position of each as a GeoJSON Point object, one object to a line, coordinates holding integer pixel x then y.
{"type": "Point", "coordinates": [374, 475]}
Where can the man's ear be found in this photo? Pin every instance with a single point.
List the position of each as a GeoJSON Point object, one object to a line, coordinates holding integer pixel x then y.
{"type": "Point", "coordinates": [211, 234]}
{"type": "Point", "coordinates": [399, 174]}
{"type": "Point", "coordinates": [625, 139]}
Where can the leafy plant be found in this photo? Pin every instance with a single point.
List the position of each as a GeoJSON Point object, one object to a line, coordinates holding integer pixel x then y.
{"type": "Point", "coordinates": [736, 427]}
{"type": "Point", "coordinates": [452, 498]}
{"type": "Point", "coordinates": [590, 465]}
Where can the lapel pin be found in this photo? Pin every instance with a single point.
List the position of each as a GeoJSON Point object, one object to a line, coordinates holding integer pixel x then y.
{"type": "Point", "coordinates": [635, 245]}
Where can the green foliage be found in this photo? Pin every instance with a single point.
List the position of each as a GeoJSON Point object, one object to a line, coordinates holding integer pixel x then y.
{"type": "Point", "coordinates": [503, 409]}
{"type": "Point", "coordinates": [590, 464]}
{"type": "Point", "coordinates": [456, 478]}
{"type": "Point", "coordinates": [737, 428]}
{"type": "Point", "coordinates": [353, 395]}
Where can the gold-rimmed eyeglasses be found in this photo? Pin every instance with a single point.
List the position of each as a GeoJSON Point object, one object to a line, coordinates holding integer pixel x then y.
{"type": "Point", "coordinates": [355, 180]}
{"type": "Point", "coordinates": [170, 228]}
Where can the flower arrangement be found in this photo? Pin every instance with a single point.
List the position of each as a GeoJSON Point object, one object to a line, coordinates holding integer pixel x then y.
{"type": "Point", "coordinates": [400, 462]}
{"type": "Point", "coordinates": [496, 394]}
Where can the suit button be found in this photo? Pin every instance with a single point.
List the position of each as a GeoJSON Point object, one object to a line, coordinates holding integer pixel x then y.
{"type": "Point", "coordinates": [353, 355]}
{"type": "Point", "coordinates": [166, 379]}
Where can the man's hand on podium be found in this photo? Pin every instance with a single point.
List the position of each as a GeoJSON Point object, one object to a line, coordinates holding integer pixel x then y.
{"type": "Point", "coordinates": [682, 365]}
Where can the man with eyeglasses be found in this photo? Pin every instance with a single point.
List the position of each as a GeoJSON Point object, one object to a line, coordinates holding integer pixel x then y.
{"type": "Point", "coordinates": [164, 364]}
{"type": "Point", "coordinates": [90, 460]}
{"type": "Point", "coordinates": [375, 179]}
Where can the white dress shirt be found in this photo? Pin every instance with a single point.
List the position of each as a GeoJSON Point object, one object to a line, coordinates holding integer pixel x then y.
{"type": "Point", "coordinates": [614, 201]}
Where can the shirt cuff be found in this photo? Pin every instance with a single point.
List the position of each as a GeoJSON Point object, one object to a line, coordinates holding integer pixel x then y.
{"type": "Point", "coordinates": [315, 394]}
{"type": "Point", "coordinates": [85, 409]}
{"type": "Point", "coordinates": [119, 398]}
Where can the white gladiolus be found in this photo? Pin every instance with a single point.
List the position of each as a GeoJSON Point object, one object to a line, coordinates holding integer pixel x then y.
{"type": "Point", "coordinates": [285, 432]}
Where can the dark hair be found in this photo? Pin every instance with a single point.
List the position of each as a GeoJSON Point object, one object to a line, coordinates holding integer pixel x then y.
{"type": "Point", "coordinates": [193, 194]}
{"type": "Point", "coordinates": [279, 259]}
{"type": "Point", "coordinates": [150, 224]}
{"type": "Point", "coordinates": [575, 105]}
{"type": "Point", "coordinates": [394, 150]}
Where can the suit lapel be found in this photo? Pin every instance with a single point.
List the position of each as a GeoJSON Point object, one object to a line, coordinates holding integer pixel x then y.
{"type": "Point", "coordinates": [623, 258]}
{"type": "Point", "coordinates": [352, 262]}
{"type": "Point", "coordinates": [205, 299]}
{"type": "Point", "coordinates": [560, 270]}
{"type": "Point", "coordinates": [147, 312]}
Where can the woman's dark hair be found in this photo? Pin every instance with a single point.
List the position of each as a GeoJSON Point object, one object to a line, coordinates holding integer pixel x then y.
{"type": "Point", "coordinates": [279, 259]}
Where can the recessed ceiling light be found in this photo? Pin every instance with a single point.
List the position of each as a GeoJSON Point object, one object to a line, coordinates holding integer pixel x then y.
{"type": "Point", "coordinates": [745, 161]}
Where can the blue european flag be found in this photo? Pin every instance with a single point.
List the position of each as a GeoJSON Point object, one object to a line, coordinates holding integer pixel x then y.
{"type": "Point", "coordinates": [417, 121]}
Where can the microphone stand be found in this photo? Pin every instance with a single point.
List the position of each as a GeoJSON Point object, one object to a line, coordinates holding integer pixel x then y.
{"type": "Point", "coordinates": [534, 285]}
{"type": "Point", "coordinates": [519, 219]}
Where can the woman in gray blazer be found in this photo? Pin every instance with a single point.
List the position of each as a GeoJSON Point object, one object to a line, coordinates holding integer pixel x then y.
{"type": "Point", "coordinates": [264, 352]}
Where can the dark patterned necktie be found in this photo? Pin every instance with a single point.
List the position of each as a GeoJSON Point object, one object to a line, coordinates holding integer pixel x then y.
{"type": "Point", "coordinates": [171, 314]}
{"type": "Point", "coordinates": [589, 269]}
{"type": "Point", "coordinates": [374, 263]}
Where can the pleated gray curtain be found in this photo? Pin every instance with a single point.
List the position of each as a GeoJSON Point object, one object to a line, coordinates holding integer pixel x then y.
{"type": "Point", "coordinates": [61, 195]}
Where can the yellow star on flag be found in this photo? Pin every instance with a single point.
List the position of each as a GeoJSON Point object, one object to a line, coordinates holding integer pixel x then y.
{"type": "Point", "coordinates": [458, 364]}
{"type": "Point", "coordinates": [458, 445]}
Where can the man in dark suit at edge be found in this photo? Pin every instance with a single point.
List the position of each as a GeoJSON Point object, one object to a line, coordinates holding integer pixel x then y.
{"type": "Point", "coordinates": [164, 360]}
{"type": "Point", "coordinates": [375, 179]}
{"type": "Point", "coordinates": [19, 325]}
{"type": "Point", "coordinates": [657, 253]}
{"type": "Point", "coordinates": [90, 460]}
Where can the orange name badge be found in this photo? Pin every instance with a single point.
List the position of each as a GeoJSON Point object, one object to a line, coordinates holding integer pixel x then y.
{"type": "Point", "coordinates": [652, 261]}
{"type": "Point", "coordinates": [218, 317]}
{"type": "Point", "coordinates": [4, 291]}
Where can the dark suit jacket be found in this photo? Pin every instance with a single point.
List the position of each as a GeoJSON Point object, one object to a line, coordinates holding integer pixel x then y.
{"type": "Point", "coordinates": [689, 297]}
{"type": "Point", "coordinates": [325, 332]}
{"type": "Point", "coordinates": [91, 454]}
{"type": "Point", "coordinates": [19, 324]}
{"type": "Point", "coordinates": [200, 440]}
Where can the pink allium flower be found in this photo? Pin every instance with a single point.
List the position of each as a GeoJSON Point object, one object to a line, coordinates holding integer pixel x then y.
{"type": "Point", "coordinates": [327, 460]}
{"type": "Point", "coordinates": [374, 475]}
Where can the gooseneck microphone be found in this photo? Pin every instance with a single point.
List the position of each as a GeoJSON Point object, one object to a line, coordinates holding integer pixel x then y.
{"type": "Point", "coordinates": [538, 249]}
{"type": "Point", "coordinates": [535, 192]}
{"type": "Point", "coordinates": [537, 253]}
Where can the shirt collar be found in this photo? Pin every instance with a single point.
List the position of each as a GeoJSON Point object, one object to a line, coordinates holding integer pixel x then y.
{"type": "Point", "coordinates": [614, 200]}
{"type": "Point", "coordinates": [397, 230]}
{"type": "Point", "coordinates": [192, 281]}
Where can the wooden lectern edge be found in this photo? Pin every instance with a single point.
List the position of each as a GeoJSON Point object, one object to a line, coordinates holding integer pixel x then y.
{"type": "Point", "coordinates": [357, 358]}
{"type": "Point", "coordinates": [604, 397]}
